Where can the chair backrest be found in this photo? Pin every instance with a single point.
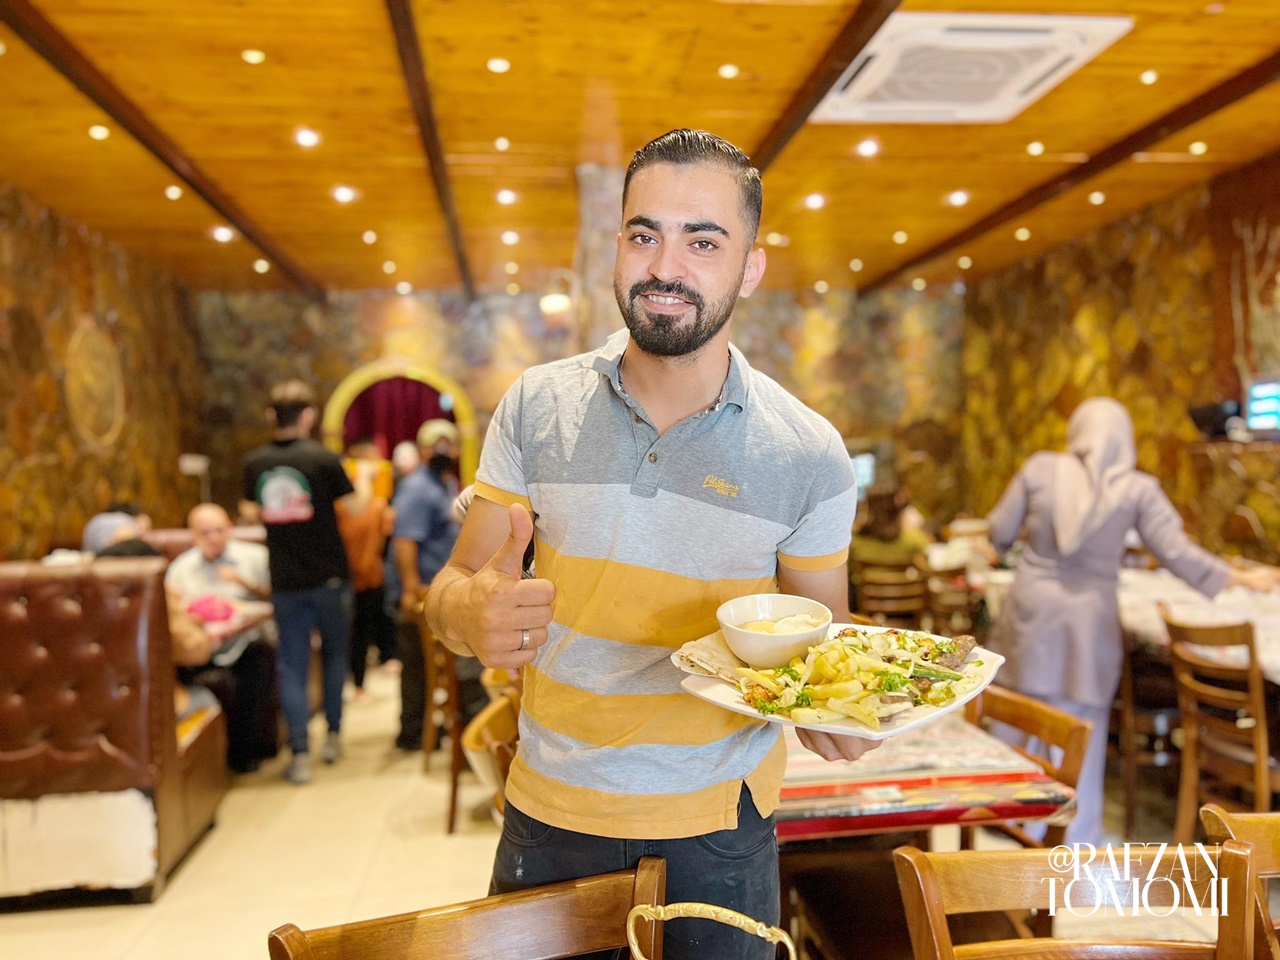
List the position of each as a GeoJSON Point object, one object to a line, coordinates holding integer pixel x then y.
{"type": "Point", "coordinates": [936, 885]}
{"type": "Point", "coordinates": [489, 741]}
{"type": "Point", "coordinates": [1050, 726]}
{"type": "Point", "coordinates": [891, 594]}
{"type": "Point", "coordinates": [1225, 700]}
{"type": "Point", "coordinates": [949, 600]}
{"type": "Point", "coordinates": [1263, 831]}
{"type": "Point", "coordinates": [543, 923]}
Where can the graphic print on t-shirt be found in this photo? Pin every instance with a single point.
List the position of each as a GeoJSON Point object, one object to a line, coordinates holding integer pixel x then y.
{"type": "Point", "coordinates": [285, 495]}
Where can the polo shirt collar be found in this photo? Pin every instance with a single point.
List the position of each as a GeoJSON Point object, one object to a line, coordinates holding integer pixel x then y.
{"type": "Point", "coordinates": [607, 361]}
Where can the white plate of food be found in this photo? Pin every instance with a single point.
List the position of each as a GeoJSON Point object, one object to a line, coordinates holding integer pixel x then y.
{"type": "Point", "coordinates": [868, 682]}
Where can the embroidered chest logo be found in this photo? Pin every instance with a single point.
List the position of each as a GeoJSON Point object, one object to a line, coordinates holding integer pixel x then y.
{"type": "Point", "coordinates": [720, 486]}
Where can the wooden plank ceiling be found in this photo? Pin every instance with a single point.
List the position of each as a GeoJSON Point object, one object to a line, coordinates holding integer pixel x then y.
{"type": "Point", "coordinates": [589, 81]}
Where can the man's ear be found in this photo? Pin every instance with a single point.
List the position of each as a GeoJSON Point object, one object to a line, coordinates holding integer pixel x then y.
{"type": "Point", "coordinates": [753, 272]}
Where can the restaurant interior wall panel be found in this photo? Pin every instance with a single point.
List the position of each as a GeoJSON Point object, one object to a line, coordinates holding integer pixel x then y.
{"type": "Point", "coordinates": [253, 340]}
{"type": "Point", "coordinates": [1126, 312]}
{"type": "Point", "coordinates": [100, 381]}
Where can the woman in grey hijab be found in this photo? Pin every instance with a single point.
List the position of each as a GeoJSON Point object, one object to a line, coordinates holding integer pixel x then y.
{"type": "Point", "coordinates": [1060, 628]}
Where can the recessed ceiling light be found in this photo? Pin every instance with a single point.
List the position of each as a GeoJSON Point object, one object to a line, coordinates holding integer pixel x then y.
{"type": "Point", "coordinates": [223, 234]}
{"type": "Point", "coordinates": [728, 70]}
{"type": "Point", "coordinates": [957, 198]}
{"type": "Point", "coordinates": [815, 201]}
{"type": "Point", "coordinates": [1214, 8]}
{"type": "Point", "coordinates": [173, 192]}
{"type": "Point", "coordinates": [369, 236]}
{"type": "Point", "coordinates": [510, 237]}
{"type": "Point", "coordinates": [918, 284]}
{"type": "Point", "coordinates": [306, 137]}
{"type": "Point", "coordinates": [344, 194]}
{"type": "Point", "coordinates": [252, 56]}
{"type": "Point", "coordinates": [389, 266]}
{"type": "Point", "coordinates": [512, 268]}
{"type": "Point", "coordinates": [1035, 148]}
{"type": "Point", "coordinates": [99, 132]}
{"type": "Point", "coordinates": [1022, 233]}
{"type": "Point", "coordinates": [1097, 198]}
{"type": "Point", "coordinates": [3, 49]}
{"type": "Point", "coordinates": [404, 288]}
{"type": "Point", "coordinates": [900, 236]}
{"type": "Point", "coordinates": [513, 288]}
{"type": "Point", "coordinates": [821, 286]}
{"type": "Point", "coordinates": [1199, 148]}
{"type": "Point", "coordinates": [855, 265]}
{"type": "Point", "coordinates": [773, 239]}
{"type": "Point", "coordinates": [502, 144]}
{"type": "Point", "coordinates": [498, 65]}
{"type": "Point", "coordinates": [868, 147]}
{"type": "Point", "coordinates": [506, 197]}
{"type": "Point", "coordinates": [1148, 77]}
{"type": "Point", "coordinates": [261, 266]}
{"type": "Point", "coordinates": [964, 263]}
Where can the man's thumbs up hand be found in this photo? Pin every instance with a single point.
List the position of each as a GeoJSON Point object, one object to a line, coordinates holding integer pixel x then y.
{"type": "Point", "coordinates": [509, 616]}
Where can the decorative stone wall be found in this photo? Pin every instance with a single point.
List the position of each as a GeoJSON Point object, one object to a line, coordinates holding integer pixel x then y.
{"type": "Point", "coordinates": [100, 381]}
{"type": "Point", "coordinates": [1125, 312]}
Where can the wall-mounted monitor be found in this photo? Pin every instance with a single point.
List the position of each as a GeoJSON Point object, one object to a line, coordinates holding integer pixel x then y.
{"type": "Point", "coordinates": [1262, 406]}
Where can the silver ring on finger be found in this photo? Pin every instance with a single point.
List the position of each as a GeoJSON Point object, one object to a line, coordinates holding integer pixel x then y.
{"type": "Point", "coordinates": [524, 639]}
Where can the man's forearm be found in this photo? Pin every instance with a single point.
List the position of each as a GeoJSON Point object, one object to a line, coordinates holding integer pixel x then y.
{"type": "Point", "coordinates": [445, 597]}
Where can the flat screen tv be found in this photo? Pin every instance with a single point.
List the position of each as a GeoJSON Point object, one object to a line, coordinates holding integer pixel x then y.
{"type": "Point", "coordinates": [1262, 407]}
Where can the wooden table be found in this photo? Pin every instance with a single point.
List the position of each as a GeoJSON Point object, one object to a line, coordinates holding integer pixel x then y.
{"type": "Point", "coordinates": [949, 772]}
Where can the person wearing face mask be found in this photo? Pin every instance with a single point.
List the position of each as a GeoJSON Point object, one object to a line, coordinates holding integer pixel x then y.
{"type": "Point", "coordinates": [421, 542]}
{"type": "Point", "coordinates": [1060, 627]}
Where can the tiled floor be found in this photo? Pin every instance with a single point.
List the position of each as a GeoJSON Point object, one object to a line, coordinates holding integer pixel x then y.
{"type": "Point", "coordinates": [367, 839]}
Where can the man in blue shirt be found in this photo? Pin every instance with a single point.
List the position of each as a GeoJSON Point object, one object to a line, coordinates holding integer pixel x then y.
{"type": "Point", "coordinates": [421, 544]}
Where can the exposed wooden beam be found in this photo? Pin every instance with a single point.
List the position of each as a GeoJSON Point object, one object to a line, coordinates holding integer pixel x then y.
{"type": "Point", "coordinates": [869, 17]}
{"type": "Point", "coordinates": [415, 78]}
{"type": "Point", "coordinates": [46, 40]}
{"type": "Point", "coordinates": [1193, 111]}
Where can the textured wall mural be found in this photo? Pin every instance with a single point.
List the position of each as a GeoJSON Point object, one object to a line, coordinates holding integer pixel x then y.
{"type": "Point", "coordinates": [84, 329]}
{"type": "Point", "coordinates": [1126, 312]}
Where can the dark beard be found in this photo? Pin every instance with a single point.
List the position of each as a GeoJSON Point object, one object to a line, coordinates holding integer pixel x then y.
{"type": "Point", "coordinates": [671, 336]}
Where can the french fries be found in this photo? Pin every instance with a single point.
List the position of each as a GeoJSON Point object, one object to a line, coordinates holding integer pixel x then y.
{"type": "Point", "coordinates": [867, 677]}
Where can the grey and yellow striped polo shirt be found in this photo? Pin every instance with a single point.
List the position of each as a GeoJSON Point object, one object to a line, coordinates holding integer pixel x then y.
{"type": "Point", "coordinates": [644, 537]}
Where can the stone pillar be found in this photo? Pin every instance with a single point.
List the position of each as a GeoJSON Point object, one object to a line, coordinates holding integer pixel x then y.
{"type": "Point", "coordinates": [599, 214]}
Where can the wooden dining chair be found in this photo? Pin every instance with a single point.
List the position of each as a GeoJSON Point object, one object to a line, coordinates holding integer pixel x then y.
{"type": "Point", "coordinates": [1263, 831]}
{"type": "Point", "coordinates": [1052, 729]}
{"type": "Point", "coordinates": [1143, 718]}
{"type": "Point", "coordinates": [894, 596]}
{"type": "Point", "coordinates": [938, 886]}
{"type": "Point", "coordinates": [949, 601]}
{"type": "Point", "coordinates": [443, 709]}
{"type": "Point", "coordinates": [542, 923]}
{"type": "Point", "coordinates": [1225, 742]}
{"type": "Point", "coordinates": [489, 743]}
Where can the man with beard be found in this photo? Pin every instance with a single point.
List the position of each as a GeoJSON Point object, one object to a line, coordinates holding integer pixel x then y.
{"type": "Point", "coordinates": [666, 476]}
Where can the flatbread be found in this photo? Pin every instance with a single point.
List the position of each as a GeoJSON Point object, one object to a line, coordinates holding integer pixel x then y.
{"type": "Point", "coordinates": [709, 656]}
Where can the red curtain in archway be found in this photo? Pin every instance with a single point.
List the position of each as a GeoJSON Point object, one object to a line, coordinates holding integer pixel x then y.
{"type": "Point", "coordinates": [390, 411]}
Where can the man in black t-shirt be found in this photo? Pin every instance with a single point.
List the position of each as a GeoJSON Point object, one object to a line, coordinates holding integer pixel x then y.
{"type": "Point", "coordinates": [294, 487]}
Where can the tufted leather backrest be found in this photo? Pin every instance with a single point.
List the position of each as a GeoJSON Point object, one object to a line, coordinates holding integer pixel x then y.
{"type": "Point", "coordinates": [86, 677]}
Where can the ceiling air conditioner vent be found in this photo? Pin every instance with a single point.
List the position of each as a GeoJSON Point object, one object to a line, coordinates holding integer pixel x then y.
{"type": "Point", "coordinates": [963, 68]}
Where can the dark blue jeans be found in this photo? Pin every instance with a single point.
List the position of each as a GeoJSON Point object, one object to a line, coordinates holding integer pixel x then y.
{"type": "Point", "coordinates": [298, 612]}
{"type": "Point", "coordinates": [737, 869]}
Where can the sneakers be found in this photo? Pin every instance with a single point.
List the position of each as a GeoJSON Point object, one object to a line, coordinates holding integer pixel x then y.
{"type": "Point", "coordinates": [332, 748]}
{"type": "Point", "coordinates": [299, 769]}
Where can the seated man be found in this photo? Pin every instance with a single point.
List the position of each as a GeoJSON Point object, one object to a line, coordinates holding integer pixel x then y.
{"type": "Point", "coordinates": [240, 672]}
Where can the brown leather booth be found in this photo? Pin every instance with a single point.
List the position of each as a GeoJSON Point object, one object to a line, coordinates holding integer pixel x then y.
{"type": "Point", "coordinates": [98, 786]}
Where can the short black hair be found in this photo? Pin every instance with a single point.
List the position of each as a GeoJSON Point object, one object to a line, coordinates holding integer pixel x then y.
{"type": "Point", "coordinates": [686, 146]}
{"type": "Point", "coordinates": [288, 399]}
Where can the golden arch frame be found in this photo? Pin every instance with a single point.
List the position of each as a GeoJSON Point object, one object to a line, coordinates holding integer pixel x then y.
{"type": "Point", "coordinates": [362, 378]}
